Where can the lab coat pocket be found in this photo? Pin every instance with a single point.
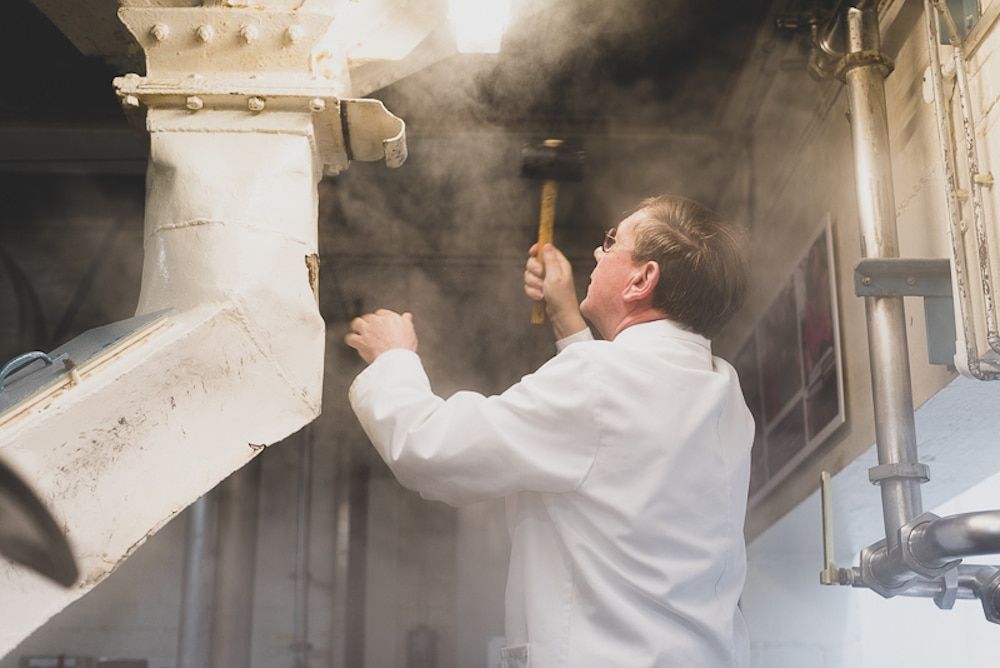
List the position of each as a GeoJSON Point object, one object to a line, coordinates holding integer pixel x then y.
{"type": "Point", "coordinates": [515, 657]}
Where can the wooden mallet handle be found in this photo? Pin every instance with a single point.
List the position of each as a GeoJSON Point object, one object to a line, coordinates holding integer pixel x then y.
{"type": "Point", "coordinates": [546, 221]}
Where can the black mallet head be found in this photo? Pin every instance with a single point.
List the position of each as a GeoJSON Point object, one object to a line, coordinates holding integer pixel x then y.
{"type": "Point", "coordinates": [552, 161]}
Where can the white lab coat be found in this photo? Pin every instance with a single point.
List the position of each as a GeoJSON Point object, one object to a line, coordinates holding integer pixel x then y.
{"type": "Point", "coordinates": [625, 467]}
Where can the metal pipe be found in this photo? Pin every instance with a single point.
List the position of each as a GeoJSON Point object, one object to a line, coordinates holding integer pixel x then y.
{"type": "Point", "coordinates": [959, 258]}
{"type": "Point", "coordinates": [971, 581]}
{"type": "Point", "coordinates": [194, 638]}
{"type": "Point", "coordinates": [889, 359]}
{"type": "Point", "coordinates": [976, 184]}
{"type": "Point", "coordinates": [300, 622]}
{"type": "Point", "coordinates": [232, 623]}
{"type": "Point", "coordinates": [824, 37]}
{"type": "Point", "coordinates": [928, 589]}
{"type": "Point", "coordinates": [940, 541]}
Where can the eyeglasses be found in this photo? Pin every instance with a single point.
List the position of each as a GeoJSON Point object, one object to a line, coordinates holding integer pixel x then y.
{"type": "Point", "coordinates": [609, 240]}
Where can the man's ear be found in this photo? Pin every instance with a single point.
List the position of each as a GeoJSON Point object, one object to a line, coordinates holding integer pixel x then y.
{"type": "Point", "coordinates": [642, 282]}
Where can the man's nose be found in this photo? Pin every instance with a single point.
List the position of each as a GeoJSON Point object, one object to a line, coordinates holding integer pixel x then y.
{"type": "Point", "coordinates": [598, 253]}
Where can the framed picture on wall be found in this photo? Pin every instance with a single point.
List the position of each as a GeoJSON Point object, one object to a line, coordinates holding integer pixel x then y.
{"type": "Point", "coordinates": [790, 368]}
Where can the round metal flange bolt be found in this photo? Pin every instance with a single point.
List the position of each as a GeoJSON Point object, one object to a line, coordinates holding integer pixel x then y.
{"type": "Point", "coordinates": [130, 101]}
{"type": "Point", "coordinates": [249, 34]}
{"type": "Point", "coordinates": [866, 280]}
{"type": "Point", "coordinates": [317, 104]}
{"type": "Point", "coordinates": [255, 104]}
{"type": "Point", "coordinates": [294, 34]}
{"type": "Point", "coordinates": [205, 33]}
{"type": "Point", "coordinates": [160, 32]}
{"type": "Point", "coordinates": [194, 103]}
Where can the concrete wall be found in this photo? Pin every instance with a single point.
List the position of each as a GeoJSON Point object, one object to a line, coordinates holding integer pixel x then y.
{"type": "Point", "coordinates": [794, 621]}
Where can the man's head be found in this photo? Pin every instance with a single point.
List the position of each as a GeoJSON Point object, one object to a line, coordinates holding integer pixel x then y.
{"type": "Point", "coordinates": [671, 258]}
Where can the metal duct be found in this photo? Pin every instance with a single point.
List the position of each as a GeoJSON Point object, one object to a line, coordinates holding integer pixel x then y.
{"type": "Point", "coordinates": [247, 108]}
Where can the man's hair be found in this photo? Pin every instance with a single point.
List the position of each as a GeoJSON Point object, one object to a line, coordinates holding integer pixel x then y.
{"type": "Point", "coordinates": [702, 262]}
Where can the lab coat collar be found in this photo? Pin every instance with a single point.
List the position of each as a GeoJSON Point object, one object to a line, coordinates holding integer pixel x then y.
{"type": "Point", "coordinates": [656, 329]}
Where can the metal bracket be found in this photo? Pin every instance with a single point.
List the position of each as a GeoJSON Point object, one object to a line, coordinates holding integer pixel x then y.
{"type": "Point", "coordinates": [877, 474]}
{"type": "Point", "coordinates": [929, 278]}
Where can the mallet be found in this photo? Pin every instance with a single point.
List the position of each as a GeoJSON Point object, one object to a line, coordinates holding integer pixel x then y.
{"type": "Point", "coordinates": [552, 163]}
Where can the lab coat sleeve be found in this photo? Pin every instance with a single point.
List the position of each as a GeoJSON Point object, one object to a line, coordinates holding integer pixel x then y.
{"type": "Point", "coordinates": [583, 335]}
{"type": "Point", "coordinates": [540, 435]}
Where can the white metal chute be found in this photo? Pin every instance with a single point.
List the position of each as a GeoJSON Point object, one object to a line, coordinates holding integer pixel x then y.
{"type": "Point", "coordinates": [235, 363]}
{"type": "Point", "coordinates": [226, 353]}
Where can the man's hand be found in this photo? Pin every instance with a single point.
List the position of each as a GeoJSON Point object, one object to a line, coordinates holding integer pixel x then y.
{"type": "Point", "coordinates": [373, 334]}
{"type": "Point", "coordinates": [550, 278]}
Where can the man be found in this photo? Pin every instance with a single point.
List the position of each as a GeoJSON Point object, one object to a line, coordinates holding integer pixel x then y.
{"type": "Point", "coordinates": [624, 463]}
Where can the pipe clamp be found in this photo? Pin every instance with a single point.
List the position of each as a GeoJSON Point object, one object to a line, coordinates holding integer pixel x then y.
{"type": "Point", "coordinates": [918, 471]}
{"type": "Point", "coordinates": [910, 559]}
{"type": "Point", "coordinates": [869, 555]}
{"type": "Point", "coordinates": [863, 59]}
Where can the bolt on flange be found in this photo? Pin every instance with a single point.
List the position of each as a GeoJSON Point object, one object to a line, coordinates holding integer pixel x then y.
{"type": "Point", "coordinates": [160, 32]}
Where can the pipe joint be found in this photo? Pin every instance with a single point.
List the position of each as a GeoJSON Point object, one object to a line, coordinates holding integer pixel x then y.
{"type": "Point", "coordinates": [913, 532]}
{"type": "Point", "coordinates": [857, 59]}
{"type": "Point", "coordinates": [883, 570]}
{"type": "Point", "coordinates": [990, 597]}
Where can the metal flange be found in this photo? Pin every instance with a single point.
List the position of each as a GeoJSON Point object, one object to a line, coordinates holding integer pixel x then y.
{"type": "Point", "coordinates": [345, 128]}
{"type": "Point", "coordinates": [864, 59]}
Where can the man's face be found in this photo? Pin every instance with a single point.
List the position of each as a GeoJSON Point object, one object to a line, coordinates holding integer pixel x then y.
{"type": "Point", "coordinates": [604, 304]}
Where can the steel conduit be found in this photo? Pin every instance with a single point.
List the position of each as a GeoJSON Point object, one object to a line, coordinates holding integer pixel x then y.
{"type": "Point", "coordinates": [198, 582]}
{"type": "Point", "coordinates": [895, 433]}
{"type": "Point", "coordinates": [940, 541]}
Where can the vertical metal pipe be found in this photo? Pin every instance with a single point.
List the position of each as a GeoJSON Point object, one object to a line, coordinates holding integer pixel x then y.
{"type": "Point", "coordinates": [895, 433]}
{"type": "Point", "coordinates": [341, 557]}
{"type": "Point", "coordinates": [232, 621]}
{"type": "Point", "coordinates": [194, 639]}
{"type": "Point", "coordinates": [300, 623]}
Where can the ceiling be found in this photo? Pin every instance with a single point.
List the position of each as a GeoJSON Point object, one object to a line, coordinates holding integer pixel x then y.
{"type": "Point", "coordinates": [640, 84]}
{"type": "Point", "coordinates": [577, 63]}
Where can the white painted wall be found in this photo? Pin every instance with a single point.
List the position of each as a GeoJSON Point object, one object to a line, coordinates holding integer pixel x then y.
{"type": "Point", "coordinates": [796, 622]}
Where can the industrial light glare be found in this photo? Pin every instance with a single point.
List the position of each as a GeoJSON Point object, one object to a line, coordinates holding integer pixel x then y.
{"type": "Point", "coordinates": [479, 24]}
